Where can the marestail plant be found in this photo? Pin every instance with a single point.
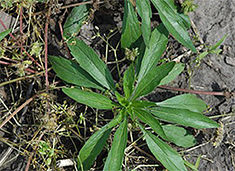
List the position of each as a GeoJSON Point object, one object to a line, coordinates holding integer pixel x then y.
{"type": "Point", "coordinates": [141, 77]}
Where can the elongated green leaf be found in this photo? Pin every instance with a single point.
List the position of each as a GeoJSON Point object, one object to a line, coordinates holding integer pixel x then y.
{"type": "Point", "coordinates": [4, 34]}
{"type": "Point", "coordinates": [185, 18]}
{"type": "Point", "coordinates": [75, 20]}
{"type": "Point", "coordinates": [71, 72]}
{"type": "Point", "coordinates": [184, 117]}
{"type": "Point", "coordinates": [214, 47]}
{"type": "Point", "coordinates": [131, 28]}
{"type": "Point", "coordinates": [121, 100]}
{"type": "Point", "coordinates": [149, 82]}
{"type": "Point", "coordinates": [185, 101]}
{"type": "Point", "coordinates": [141, 49]}
{"type": "Point", "coordinates": [95, 144]}
{"type": "Point", "coordinates": [90, 61]}
{"type": "Point", "coordinates": [148, 118]}
{"type": "Point", "coordinates": [170, 159]}
{"type": "Point", "coordinates": [89, 98]}
{"type": "Point", "coordinates": [115, 156]}
{"type": "Point", "coordinates": [186, 21]}
{"type": "Point", "coordinates": [157, 46]}
{"type": "Point", "coordinates": [128, 81]}
{"type": "Point", "coordinates": [171, 4]}
{"type": "Point", "coordinates": [179, 136]}
{"type": "Point", "coordinates": [177, 69]}
{"type": "Point", "coordinates": [142, 104]}
{"type": "Point", "coordinates": [145, 12]}
{"type": "Point", "coordinates": [92, 148]}
{"type": "Point", "coordinates": [190, 165]}
{"type": "Point", "coordinates": [173, 22]}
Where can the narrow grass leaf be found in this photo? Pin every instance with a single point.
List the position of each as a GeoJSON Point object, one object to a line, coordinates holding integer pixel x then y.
{"type": "Point", "coordinates": [115, 156]}
{"type": "Point", "coordinates": [157, 46]}
{"type": "Point", "coordinates": [145, 12]}
{"type": "Point", "coordinates": [190, 165]}
{"type": "Point", "coordinates": [149, 119]}
{"type": "Point", "coordinates": [128, 81]}
{"type": "Point", "coordinates": [149, 82]}
{"type": "Point", "coordinates": [90, 61]}
{"type": "Point", "coordinates": [131, 28]}
{"type": "Point", "coordinates": [89, 98]}
{"type": "Point", "coordinates": [95, 144]}
{"type": "Point", "coordinates": [214, 47]}
{"type": "Point", "coordinates": [4, 34]}
{"type": "Point", "coordinates": [170, 159]}
{"type": "Point", "coordinates": [185, 101]}
{"type": "Point", "coordinates": [75, 20]}
{"type": "Point", "coordinates": [179, 136]}
{"type": "Point", "coordinates": [184, 117]}
{"type": "Point", "coordinates": [174, 23]}
{"type": "Point", "coordinates": [71, 72]}
{"type": "Point", "coordinates": [177, 69]}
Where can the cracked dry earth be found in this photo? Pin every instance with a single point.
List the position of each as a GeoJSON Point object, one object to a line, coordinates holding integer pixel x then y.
{"type": "Point", "coordinates": [214, 19]}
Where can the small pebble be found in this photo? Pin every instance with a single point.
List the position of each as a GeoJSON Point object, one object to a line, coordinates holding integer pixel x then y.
{"type": "Point", "coordinates": [230, 61]}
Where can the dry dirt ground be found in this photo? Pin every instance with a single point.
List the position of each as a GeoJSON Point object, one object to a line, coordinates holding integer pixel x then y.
{"type": "Point", "coordinates": [213, 19]}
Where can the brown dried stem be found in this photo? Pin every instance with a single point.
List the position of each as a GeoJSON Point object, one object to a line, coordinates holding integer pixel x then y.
{"type": "Point", "coordinates": [46, 48]}
{"type": "Point", "coordinates": [227, 94]}
{"type": "Point", "coordinates": [19, 44]}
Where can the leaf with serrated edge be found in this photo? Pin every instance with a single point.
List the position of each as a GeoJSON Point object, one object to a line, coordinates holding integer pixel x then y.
{"type": "Point", "coordinates": [185, 101]}
{"type": "Point", "coordinates": [157, 46]}
{"type": "Point", "coordinates": [115, 156]}
{"type": "Point", "coordinates": [71, 72]}
{"type": "Point", "coordinates": [183, 117]}
{"type": "Point", "coordinates": [90, 61]}
{"type": "Point", "coordinates": [130, 27]}
{"type": "Point", "coordinates": [170, 159]}
{"type": "Point", "coordinates": [173, 22]}
{"type": "Point", "coordinates": [89, 98]}
{"type": "Point", "coordinates": [149, 82]}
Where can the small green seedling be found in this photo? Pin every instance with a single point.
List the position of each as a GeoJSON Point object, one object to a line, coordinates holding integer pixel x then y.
{"type": "Point", "coordinates": [142, 77]}
{"type": "Point", "coordinates": [46, 152]}
{"type": "Point", "coordinates": [188, 6]}
{"type": "Point", "coordinates": [214, 49]}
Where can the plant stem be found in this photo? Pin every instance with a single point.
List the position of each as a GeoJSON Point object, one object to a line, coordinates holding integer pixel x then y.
{"type": "Point", "coordinates": [78, 4]}
{"type": "Point", "coordinates": [46, 48]}
{"type": "Point", "coordinates": [227, 94]}
{"type": "Point", "coordinates": [21, 78]}
{"type": "Point", "coordinates": [19, 44]}
{"type": "Point", "coordinates": [17, 110]}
